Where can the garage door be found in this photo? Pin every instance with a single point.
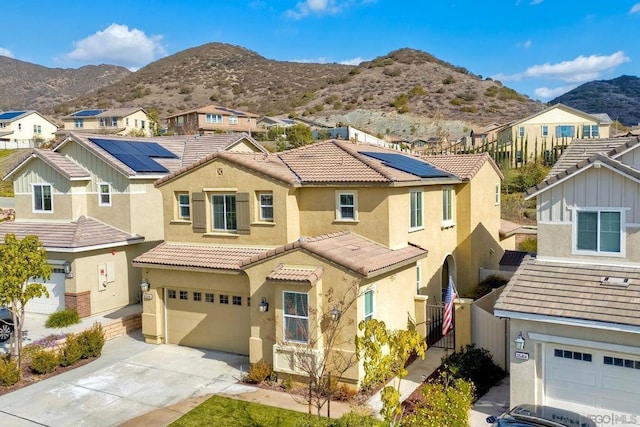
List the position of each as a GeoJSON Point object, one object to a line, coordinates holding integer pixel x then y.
{"type": "Point", "coordinates": [591, 382]}
{"type": "Point", "coordinates": [212, 320]}
{"type": "Point", "coordinates": [55, 302]}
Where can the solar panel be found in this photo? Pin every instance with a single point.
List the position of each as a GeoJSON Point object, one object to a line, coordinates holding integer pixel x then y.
{"type": "Point", "coordinates": [87, 113]}
{"type": "Point", "coordinates": [8, 115]}
{"type": "Point", "coordinates": [229, 110]}
{"type": "Point", "coordinates": [137, 155]}
{"type": "Point", "coordinates": [408, 164]}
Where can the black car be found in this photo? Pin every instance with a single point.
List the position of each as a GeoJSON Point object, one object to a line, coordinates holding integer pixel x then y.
{"type": "Point", "coordinates": [540, 416]}
{"type": "Point", "coordinates": [6, 324]}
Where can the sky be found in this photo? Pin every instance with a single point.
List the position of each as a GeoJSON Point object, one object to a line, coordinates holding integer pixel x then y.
{"type": "Point", "coordinates": [541, 48]}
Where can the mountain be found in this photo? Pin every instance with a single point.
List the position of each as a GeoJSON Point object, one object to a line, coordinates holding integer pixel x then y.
{"type": "Point", "coordinates": [29, 86]}
{"type": "Point", "coordinates": [619, 98]}
{"type": "Point", "coordinates": [405, 92]}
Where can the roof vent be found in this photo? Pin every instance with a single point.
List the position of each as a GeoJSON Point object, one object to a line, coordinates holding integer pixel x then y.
{"type": "Point", "coordinates": [353, 247]}
{"type": "Point", "coordinates": [615, 281]}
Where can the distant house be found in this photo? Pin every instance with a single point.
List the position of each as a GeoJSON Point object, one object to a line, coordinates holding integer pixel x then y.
{"type": "Point", "coordinates": [542, 134]}
{"type": "Point", "coordinates": [212, 119]}
{"type": "Point", "coordinates": [118, 121]}
{"type": "Point", "coordinates": [267, 122]}
{"type": "Point", "coordinates": [24, 129]}
{"type": "Point", "coordinates": [484, 134]}
{"type": "Point", "coordinates": [349, 133]}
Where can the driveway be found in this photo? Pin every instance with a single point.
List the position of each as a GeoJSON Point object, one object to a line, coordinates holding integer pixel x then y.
{"type": "Point", "coordinates": [495, 402]}
{"type": "Point", "coordinates": [131, 378]}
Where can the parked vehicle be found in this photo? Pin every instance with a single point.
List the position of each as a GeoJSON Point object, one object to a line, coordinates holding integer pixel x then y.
{"type": "Point", "coordinates": [540, 416]}
{"type": "Point", "coordinates": [6, 324]}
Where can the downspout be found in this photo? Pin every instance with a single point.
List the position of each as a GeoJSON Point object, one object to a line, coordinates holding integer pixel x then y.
{"type": "Point", "coordinates": [164, 310]}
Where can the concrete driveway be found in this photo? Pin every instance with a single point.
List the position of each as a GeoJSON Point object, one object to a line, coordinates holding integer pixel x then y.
{"type": "Point", "coordinates": [131, 378]}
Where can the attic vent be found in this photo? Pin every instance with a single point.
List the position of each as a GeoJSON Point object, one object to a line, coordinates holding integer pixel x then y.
{"type": "Point", "coordinates": [615, 281]}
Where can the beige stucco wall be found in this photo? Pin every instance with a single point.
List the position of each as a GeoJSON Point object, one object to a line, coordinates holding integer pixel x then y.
{"type": "Point", "coordinates": [529, 375]}
{"type": "Point", "coordinates": [131, 122]}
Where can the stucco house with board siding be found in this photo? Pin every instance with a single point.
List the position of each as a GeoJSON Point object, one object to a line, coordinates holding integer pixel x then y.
{"type": "Point", "coordinates": [212, 119]}
{"type": "Point", "coordinates": [116, 121]}
{"type": "Point", "coordinates": [95, 210]}
{"type": "Point", "coordinates": [273, 242]}
{"type": "Point", "coordinates": [24, 129]}
{"type": "Point", "coordinates": [576, 303]}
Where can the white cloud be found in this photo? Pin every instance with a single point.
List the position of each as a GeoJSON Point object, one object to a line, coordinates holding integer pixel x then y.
{"type": "Point", "coordinates": [320, 60]}
{"type": "Point", "coordinates": [548, 93]}
{"type": "Point", "coordinates": [526, 44]}
{"type": "Point", "coordinates": [535, 2]}
{"type": "Point", "coordinates": [581, 69]}
{"type": "Point", "coordinates": [352, 61]}
{"type": "Point", "coordinates": [635, 8]}
{"type": "Point", "coordinates": [119, 45]}
{"type": "Point", "coordinates": [314, 7]}
{"type": "Point", "coordinates": [6, 52]}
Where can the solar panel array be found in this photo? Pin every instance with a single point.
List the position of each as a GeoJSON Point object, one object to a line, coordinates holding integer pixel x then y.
{"type": "Point", "coordinates": [229, 110]}
{"type": "Point", "coordinates": [408, 164]}
{"type": "Point", "coordinates": [137, 155]}
{"type": "Point", "coordinates": [87, 113]}
{"type": "Point", "coordinates": [8, 115]}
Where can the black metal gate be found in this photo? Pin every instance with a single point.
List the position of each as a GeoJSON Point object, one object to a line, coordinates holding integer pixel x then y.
{"type": "Point", "coordinates": [435, 319]}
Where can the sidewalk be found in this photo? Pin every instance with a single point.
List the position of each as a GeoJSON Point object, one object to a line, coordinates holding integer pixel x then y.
{"type": "Point", "coordinates": [495, 402]}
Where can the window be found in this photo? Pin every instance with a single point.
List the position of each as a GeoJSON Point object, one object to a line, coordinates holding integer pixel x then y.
{"type": "Point", "coordinates": [233, 120]}
{"type": "Point", "coordinates": [620, 362]}
{"type": "Point", "coordinates": [589, 131]}
{"type": "Point", "coordinates": [197, 296]}
{"type": "Point", "coordinates": [179, 120]}
{"type": "Point", "coordinates": [37, 129]}
{"type": "Point", "coordinates": [544, 131]}
{"type": "Point", "coordinates": [248, 119]}
{"type": "Point", "coordinates": [266, 207]}
{"type": "Point", "coordinates": [447, 206]}
{"type": "Point", "coordinates": [213, 118]}
{"type": "Point", "coordinates": [497, 199]}
{"type": "Point", "coordinates": [78, 123]}
{"type": "Point", "coordinates": [346, 206]}
{"type": "Point", "coordinates": [224, 212]}
{"type": "Point", "coordinates": [224, 299]}
{"type": "Point", "coordinates": [184, 295]}
{"type": "Point", "coordinates": [599, 231]}
{"type": "Point", "coordinates": [126, 121]}
{"type": "Point", "coordinates": [142, 124]}
{"type": "Point", "coordinates": [171, 294]}
{"type": "Point", "coordinates": [104, 194]}
{"type": "Point", "coordinates": [565, 131]}
{"type": "Point", "coordinates": [595, 131]}
{"type": "Point", "coordinates": [519, 156]}
{"type": "Point", "coordinates": [236, 300]}
{"type": "Point", "coordinates": [184, 209]}
{"type": "Point", "coordinates": [368, 305]}
{"type": "Point", "coordinates": [209, 297]}
{"type": "Point", "coordinates": [574, 355]}
{"type": "Point", "coordinates": [418, 277]}
{"type": "Point", "coordinates": [416, 210]}
{"type": "Point", "coordinates": [296, 316]}
{"type": "Point", "coordinates": [135, 122]}
{"type": "Point", "coordinates": [19, 126]}
{"type": "Point", "coordinates": [521, 131]}
{"type": "Point", "coordinates": [42, 200]}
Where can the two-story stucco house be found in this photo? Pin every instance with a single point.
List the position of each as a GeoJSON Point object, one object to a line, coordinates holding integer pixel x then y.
{"type": "Point", "coordinates": [261, 252]}
{"type": "Point", "coordinates": [575, 308]}
{"type": "Point", "coordinates": [117, 121]}
{"type": "Point", "coordinates": [24, 129]}
{"type": "Point", "coordinates": [91, 201]}
{"type": "Point", "coordinates": [540, 135]}
{"type": "Point", "coordinates": [212, 119]}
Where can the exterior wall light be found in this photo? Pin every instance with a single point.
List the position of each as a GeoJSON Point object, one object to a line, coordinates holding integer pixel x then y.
{"type": "Point", "coordinates": [145, 286]}
{"type": "Point", "coordinates": [263, 306]}
{"type": "Point", "coordinates": [67, 269]}
{"type": "Point", "coordinates": [335, 314]}
{"type": "Point", "coordinates": [519, 341]}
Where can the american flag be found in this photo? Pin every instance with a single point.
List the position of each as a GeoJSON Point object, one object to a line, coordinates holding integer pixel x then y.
{"type": "Point", "coordinates": [449, 298]}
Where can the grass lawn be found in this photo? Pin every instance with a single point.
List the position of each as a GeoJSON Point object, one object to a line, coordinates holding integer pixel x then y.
{"type": "Point", "coordinates": [221, 412]}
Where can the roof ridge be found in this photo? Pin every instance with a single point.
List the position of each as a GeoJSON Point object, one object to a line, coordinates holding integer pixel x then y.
{"type": "Point", "coordinates": [364, 159]}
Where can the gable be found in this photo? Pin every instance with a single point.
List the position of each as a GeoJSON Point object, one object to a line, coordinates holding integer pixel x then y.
{"type": "Point", "coordinates": [38, 171]}
{"type": "Point", "coordinates": [558, 115]}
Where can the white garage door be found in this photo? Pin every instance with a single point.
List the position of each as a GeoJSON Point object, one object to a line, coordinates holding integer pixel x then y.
{"type": "Point", "coordinates": [590, 381]}
{"type": "Point", "coordinates": [55, 302]}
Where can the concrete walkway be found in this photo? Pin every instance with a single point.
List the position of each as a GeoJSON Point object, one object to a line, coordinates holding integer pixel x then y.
{"type": "Point", "coordinates": [495, 402]}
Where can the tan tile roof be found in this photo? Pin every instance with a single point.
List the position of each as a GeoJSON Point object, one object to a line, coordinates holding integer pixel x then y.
{"type": "Point", "coordinates": [82, 233]}
{"type": "Point", "coordinates": [351, 251]}
{"type": "Point", "coordinates": [119, 112]}
{"type": "Point", "coordinates": [197, 256]}
{"type": "Point", "coordinates": [327, 162]}
{"type": "Point", "coordinates": [464, 166]}
{"type": "Point", "coordinates": [296, 274]}
{"type": "Point", "coordinates": [215, 109]}
{"type": "Point", "coordinates": [573, 291]}
{"type": "Point", "coordinates": [63, 165]}
{"type": "Point", "coordinates": [581, 149]}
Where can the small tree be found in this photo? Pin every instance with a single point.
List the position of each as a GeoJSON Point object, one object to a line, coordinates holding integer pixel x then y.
{"type": "Point", "coordinates": [299, 135]}
{"type": "Point", "coordinates": [385, 353]}
{"type": "Point", "coordinates": [22, 263]}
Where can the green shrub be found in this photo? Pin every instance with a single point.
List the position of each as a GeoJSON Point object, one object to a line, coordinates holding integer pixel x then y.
{"type": "Point", "coordinates": [9, 374]}
{"type": "Point", "coordinates": [448, 80]}
{"type": "Point", "coordinates": [92, 341]}
{"type": "Point", "coordinates": [71, 352]}
{"type": "Point", "coordinates": [43, 362]}
{"type": "Point", "coordinates": [63, 318]}
{"type": "Point", "coordinates": [358, 418]}
{"type": "Point", "coordinates": [446, 402]}
{"type": "Point", "coordinates": [486, 286]}
{"type": "Point", "coordinates": [529, 245]}
{"type": "Point", "coordinates": [476, 365]}
{"type": "Point", "coordinates": [259, 372]}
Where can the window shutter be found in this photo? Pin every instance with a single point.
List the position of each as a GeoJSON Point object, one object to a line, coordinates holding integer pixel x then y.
{"type": "Point", "coordinates": [199, 223]}
{"type": "Point", "coordinates": [242, 209]}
